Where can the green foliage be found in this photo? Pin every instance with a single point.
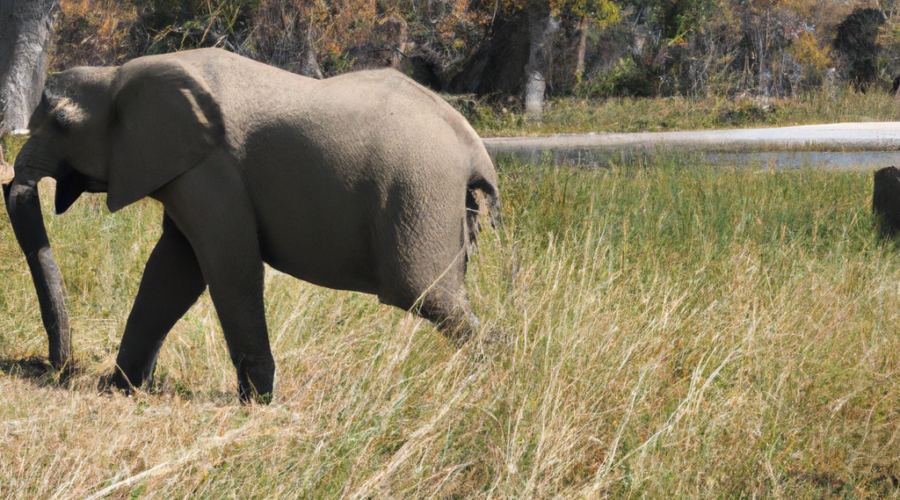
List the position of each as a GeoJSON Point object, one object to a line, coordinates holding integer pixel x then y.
{"type": "Point", "coordinates": [600, 12]}
{"type": "Point", "coordinates": [625, 79]}
{"type": "Point", "coordinates": [813, 58]}
{"type": "Point", "coordinates": [174, 25]}
{"type": "Point", "coordinates": [889, 44]}
{"type": "Point", "coordinates": [10, 145]}
{"type": "Point", "coordinates": [680, 19]}
{"type": "Point", "coordinates": [484, 115]}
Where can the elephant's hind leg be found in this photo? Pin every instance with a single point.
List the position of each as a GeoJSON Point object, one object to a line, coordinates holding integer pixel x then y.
{"type": "Point", "coordinates": [423, 265]}
{"type": "Point", "coordinates": [442, 302]}
{"type": "Point", "coordinates": [171, 284]}
{"type": "Point", "coordinates": [450, 312]}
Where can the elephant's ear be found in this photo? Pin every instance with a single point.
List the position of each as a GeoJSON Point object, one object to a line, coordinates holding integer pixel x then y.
{"type": "Point", "coordinates": [166, 121]}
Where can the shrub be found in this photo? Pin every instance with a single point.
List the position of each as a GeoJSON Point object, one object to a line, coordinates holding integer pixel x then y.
{"type": "Point", "coordinates": [857, 43]}
{"type": "Point", "coordinates": [93, 33]}
{"type": "Point", "coordinates": [625, 79]}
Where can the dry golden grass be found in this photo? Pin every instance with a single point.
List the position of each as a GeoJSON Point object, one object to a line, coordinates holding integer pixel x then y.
{"type": "Point", "coordinates": [93, 33]}
{"type": "Point", "coordinates": [653, 330]}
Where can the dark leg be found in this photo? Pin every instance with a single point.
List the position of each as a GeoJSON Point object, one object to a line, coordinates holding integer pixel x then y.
{"type": "Point", "coordinates": [236, 288]}
{"type": "Point", "coordinates": [171, 284]}
{"type": "Point", "coordinates": [210, 206]}
{"type": "Point", "coordinates": [243, 319]}
{"type": "Point", "coordinates": [451, 313]}
{"type": "Point", "coordinates": [233, 268]}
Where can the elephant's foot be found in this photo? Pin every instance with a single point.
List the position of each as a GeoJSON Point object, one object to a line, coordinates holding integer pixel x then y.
{"type": "Point", "coordinates": [256, 379]}
{"type": "Point", "coordinates": [111, 381]}
{"type": "Point", "coordinates": [459, 328]}
{"type": "Point", "coordinates": [115, 381]}
{"type": "Point", "coordinates": [118, 380]}
{"type": "Point", "coordinates": [450, 312]}
{"type": "Point", "coordinates": [66, 371]}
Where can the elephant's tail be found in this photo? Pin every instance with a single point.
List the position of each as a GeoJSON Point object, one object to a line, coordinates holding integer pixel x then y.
{"type": "Point", "coordinates": [488, 201]}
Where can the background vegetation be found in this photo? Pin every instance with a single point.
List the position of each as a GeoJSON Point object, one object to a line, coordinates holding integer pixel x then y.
{"type": "Point", "coordinates": [613, 65]}
{"type": "Point", "coordinates": [602, 48]}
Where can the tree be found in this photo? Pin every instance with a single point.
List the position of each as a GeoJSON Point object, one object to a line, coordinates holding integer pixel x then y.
{"type": "Point", "coordinates": [514, 57]}
{"type": "Point", "coordinates": [26, 27]}
{"type": "Point", "coordinates": [592, 12]}
{"type": "Point", "coordinates": [542, 25]}
{"type": "Point", "coordinates": [857, 41]}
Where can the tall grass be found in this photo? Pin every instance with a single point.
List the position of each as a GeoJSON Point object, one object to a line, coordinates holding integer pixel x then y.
{"type": "Point", "coordinates": [574, 115]}
{"type": "Point", "coordinates": [658, 329]}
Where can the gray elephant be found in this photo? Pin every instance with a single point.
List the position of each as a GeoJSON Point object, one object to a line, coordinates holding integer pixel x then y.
{"type": "Point", "coordinates": [365, 181]}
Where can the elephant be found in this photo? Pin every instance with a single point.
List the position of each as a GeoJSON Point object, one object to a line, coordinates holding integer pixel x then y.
{"type": "Point", "coordinates": [365, 181]}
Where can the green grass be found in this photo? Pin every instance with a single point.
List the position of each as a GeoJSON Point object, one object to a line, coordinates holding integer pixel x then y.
{"type": "Point", "coordinates": [574, 115]}
{"type": "Point", "coordinates": [657, 329]}
{"type": "Point", "coordinates": [10, 145]}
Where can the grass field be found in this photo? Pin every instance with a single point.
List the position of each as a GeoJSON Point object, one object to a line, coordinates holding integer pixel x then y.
{"type": "Point", "coordinates": [572, 115]}
{"type": "Point", "coordinates": [654, 329]}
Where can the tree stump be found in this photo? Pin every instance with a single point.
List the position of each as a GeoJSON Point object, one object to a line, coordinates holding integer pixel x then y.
{"type": "Point", "coordinates": [886, 201]}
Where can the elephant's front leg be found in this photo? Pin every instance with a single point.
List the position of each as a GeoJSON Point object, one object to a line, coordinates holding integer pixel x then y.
{"type": "Point", "coordinates": [210, 206]}
{"type": "Point", "coordinates": [171, 284]}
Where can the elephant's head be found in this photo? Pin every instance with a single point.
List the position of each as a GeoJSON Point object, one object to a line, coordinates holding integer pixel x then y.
{"type": "Point", "coordinates": [125, 131]}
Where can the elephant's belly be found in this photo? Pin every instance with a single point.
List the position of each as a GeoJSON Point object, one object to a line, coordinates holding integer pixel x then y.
{"type": "Point", "coordinates": [338, 279]}
{"type": "Point", "coordinates": [315, 208]}
{"type": "Point", "coordinates": [334, 255]}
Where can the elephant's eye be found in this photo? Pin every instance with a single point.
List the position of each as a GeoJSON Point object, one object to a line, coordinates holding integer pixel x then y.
{"type": "Point", "coordinates": [67, 114]}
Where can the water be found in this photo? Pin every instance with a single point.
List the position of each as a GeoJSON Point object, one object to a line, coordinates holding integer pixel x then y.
{"type": "Point", "coordinates": [827, 160]}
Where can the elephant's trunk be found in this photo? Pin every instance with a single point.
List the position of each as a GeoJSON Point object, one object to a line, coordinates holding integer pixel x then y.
{"type": "Point", "coordinates": [24, 207]}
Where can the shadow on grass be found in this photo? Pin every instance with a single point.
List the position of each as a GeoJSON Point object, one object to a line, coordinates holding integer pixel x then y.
{"type": "Point", "coordinates": [37, 369]}
{"type": "Point", "coordinates": [881, 480]}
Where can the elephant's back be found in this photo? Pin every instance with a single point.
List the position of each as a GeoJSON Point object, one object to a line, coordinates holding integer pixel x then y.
{"type": "Point", "coordinates": [396, 108]}
{"type": "Point", "coordinates": [375, 109]}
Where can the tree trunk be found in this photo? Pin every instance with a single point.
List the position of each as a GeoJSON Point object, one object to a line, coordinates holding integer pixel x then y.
{"type": "Point", "coordinates": [309, 65]}
{"type": "Point", "coordinates": [25, 30]}
{"type": "Point", "coordinates": [542, 26]}
{"type": "Point", "coordinates": [582, 48]}
{"type": "Point", "coordinates": [761, 54]}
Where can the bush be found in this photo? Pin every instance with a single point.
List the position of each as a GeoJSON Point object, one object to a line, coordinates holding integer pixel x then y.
{"type": "Point", "coordinates": [93, 33]}
{"type": "Point", "coordinates": [857, 42]}
{"type": "Point", "coordinates": [625, 79]}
